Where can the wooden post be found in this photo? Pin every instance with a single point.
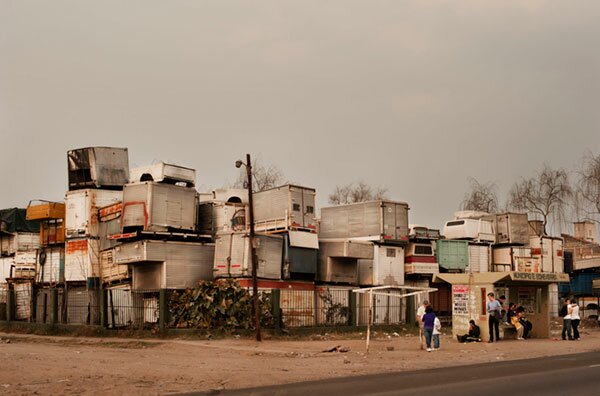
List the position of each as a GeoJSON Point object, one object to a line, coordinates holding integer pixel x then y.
{"type": "Point", "coordinates": [276, 307]}
{"type": "Point", "coordinates": [104, 308]}
{"type": "Point", "coordinates": [10, 305]}
{"type": "Point", "coordinates": [54, 306]}
{"type": "Point", "coordinates": [351, 308]}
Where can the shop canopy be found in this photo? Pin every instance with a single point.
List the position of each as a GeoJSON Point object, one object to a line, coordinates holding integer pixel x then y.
{"type": "Point", "coordinates": [497, 277]}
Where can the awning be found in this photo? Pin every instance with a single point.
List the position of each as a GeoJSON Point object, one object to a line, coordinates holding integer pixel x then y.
{"type": "Point", "coordinates": [495, 277]}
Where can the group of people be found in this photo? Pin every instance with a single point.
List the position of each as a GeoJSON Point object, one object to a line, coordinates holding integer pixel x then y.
{"type": "Point", "coordinates": [513, 316]}
{"type": "Point", "coordinates": [429, 325]}
{"type": "Point", "coordinates": [570, 314]}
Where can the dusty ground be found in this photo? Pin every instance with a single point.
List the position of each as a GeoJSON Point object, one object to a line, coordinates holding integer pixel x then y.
{"type": "Point", "coordinates": [65, 365]}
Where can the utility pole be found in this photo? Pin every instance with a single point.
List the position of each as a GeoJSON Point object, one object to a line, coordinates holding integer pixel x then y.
{"type": "Point", "coordinates": [253, 260]}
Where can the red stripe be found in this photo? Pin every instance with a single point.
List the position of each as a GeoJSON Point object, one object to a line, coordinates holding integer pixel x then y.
{"type": "Point", "coordinates": [419, 259]}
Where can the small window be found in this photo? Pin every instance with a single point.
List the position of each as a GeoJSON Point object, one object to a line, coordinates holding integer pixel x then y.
{"type": "Point", "coordinates": [296, 207]}
{"type": "Point", "coordinates": [455, 223]}
{"type": "Point", "coordinates": [310, 209]}
{"type": "Point", "coordinates": [390, 252]}
{"type": "Point", "coordinates": [423, 250]}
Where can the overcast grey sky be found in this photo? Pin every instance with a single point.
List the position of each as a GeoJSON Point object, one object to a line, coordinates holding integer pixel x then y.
{"type": "Point", "coordinates": [413, 95]}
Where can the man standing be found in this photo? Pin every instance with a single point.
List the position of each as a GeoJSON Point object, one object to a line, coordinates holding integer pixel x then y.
{"type": "Point", "coordinates": [495, 313]}
{"type": "Point", "coordinates": [420, 314]}
{"type": "Point", "coordinates": [566, 315]}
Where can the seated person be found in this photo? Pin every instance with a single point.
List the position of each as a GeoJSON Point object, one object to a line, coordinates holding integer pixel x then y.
{"type": "Point", "coordinates": [512, 311]}
{"type": "Point", "coordinates": [473, 335]}
{"type": "Point", "coordinates": [526, 324]}
{"type": "Point", "coordinates": [517, 324]}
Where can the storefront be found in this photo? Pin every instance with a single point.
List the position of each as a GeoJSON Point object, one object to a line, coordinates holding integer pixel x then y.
{"type": "Point", "coordinates": [536, 292]}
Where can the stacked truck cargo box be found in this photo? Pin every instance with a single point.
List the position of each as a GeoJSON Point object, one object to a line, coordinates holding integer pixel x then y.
{"type": "Point", "coordinates": [300, 255]}
{"type": "Point", "coordinates": [232, 256]}
{"type": "Point", "coordinates": [285, 208]}
{"type": "Point", "coordinates": [510, 228]}
{"type": "Point", "coordinates": [166, 264]}
{"type": "Point", "coordinates": [217, 217]}
{"type": "Point", "coordinates": [419, 254]}
{"type": "Point", "coordinates": [165, 173]}
{"type": "Point", "coordinates": [98, 167]}
{"type": "Point", "coordinates": [19, 243]}
{"type": "Point", "coordinates": [463, 256]}
{"type": "Point", "coordinates": [338, 260]}
{"type": "Point", "coordinates": [386, 268]}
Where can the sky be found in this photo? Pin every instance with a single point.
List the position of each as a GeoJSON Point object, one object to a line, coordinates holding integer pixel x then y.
{"type": "Point", "coordinates": [414, 96]}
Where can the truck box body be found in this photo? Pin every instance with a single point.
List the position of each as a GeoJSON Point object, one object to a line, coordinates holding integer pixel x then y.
{"type": "Point", "coordinates": [166, 264]}
{"type": "Point", "coordinates": [301, 255]}
{"type": "Point", "coordinates": [98, 167]}
{"type": "Point", "coordinates": [549, 252]}
{"type": "Point", "coordinates": [385, 269]}
{"type": "Point", "coordinates": [511, 228]}
{"type": "Point", "coordinates": [285, 208]}
{"type": "Point", "coordinates": [221, 217]}
{"type": "Point", "coordinates": [347, 248]}
{"type": "Point", "coordinates": [162, 172]}
{"type": "Point", "coordinates": [452, 254]}
{"type": "Point", "coordinates": [110, 270]}
{"type": "Point", "coordinates": [232, 256]}
{"type": "Point", "coordinates": [51, 265]}
{"type": "Point", "coordinates": [5, 265]}
{"type": "Point", "coordinates": [82, 211]}
{"type": "Point", "coordinates": [110, 224]}
{"type": "Point", "coordinates": [82, 259]}
{"type": "Point", "coordinates": [470, 229]}
{"type": "Point", "coordinates": [52, 232]}
{"type": "Point", "coordinates": [46, 211]}
{"type": "Point", "coordinates": [152, 206]}
{"type": "Point", "coordinates": [338, 270]}
{"type": "Point", "coordinates": [382, 221]}
{"type": "Point", "coordinates": [513, 258]}
{"type": "Point", "coordinates": [479, 258]}
{"type": "Point", "coordinates": [11, 243]}
{"type": "Point", "coordinates": [419, 258]}
{"type": "Point", "coordinates": [227, 195]}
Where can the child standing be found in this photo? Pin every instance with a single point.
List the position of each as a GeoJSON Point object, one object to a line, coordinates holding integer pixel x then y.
{"type": "Point", "coordinates": [437, 327]}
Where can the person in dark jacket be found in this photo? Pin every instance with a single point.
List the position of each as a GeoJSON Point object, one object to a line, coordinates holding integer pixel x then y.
{"type": "Point", "coordinates": [512, 311]}
{"type": "Point", "coordinates": [428, 323]}
{"type": "Point", "coordinates": [474, 334]}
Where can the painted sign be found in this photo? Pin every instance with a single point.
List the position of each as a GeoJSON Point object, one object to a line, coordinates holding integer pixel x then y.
{"type": "Point", "coordinates": [539, 277]}
{"type": "Point", "coordinates": [460, 300]}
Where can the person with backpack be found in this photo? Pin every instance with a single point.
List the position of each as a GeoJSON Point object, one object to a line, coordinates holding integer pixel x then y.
{"type": "Point", "coordinates": [428, 325]}
{"type": "Point", "coordinates": [566, 315]}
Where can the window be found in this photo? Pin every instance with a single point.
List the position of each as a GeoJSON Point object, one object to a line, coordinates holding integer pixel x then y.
{"type": "Point", "coordinates": [310, 209]}
{"type": "Point", "coordinates": [390, 252]}
{"type": "Point", "coordinates": [455, 223]}
{"type": "Point", "coordinates": [296, 207]}
{"type": "Point", "coordinates": [423, 250]}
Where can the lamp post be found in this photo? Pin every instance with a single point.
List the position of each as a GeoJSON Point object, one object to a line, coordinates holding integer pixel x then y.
{"type": "Point", "coordinates": [248, 165]}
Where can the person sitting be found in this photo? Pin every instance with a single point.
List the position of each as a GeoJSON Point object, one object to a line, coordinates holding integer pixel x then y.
{"type": "Point", "coordinates": [512, 311]}
{"type": "Point", "coordinates": [473, 335]}
{"type": "Point", "coordinates": [517, 324]}
{"type": "Point", "coordinates": [527, 326]}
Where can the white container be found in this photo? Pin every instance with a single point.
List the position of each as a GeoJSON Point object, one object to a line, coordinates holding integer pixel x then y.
{"type": "Point", "coordinates": [477, 230]}
{"type": "Point", "coordinates": [5, 265]}
{"type": "Point", "coordinates": [512, 258]}
{"type": "Point", "coordinates": [338, 270]}
{"type": "Point", "coordinates": [549, 252]}
{"type": "Point", "coordinates": [511, 228]}
{"type": "Point", "coordinates": [385, 269]}
{"type": "Point", "coordinates": [221, 217]}
{"type": "Point", "coordinates": [26, 258]}
{"type": "Point", "coordinates": [18, 242]}
{"type": "Point", "coordinates": [383, 221]}
{"type": "Point", "coordinates": [82, 259]}
{"type": "Point", "coordinates": [50, 265]}
{"type": "Point", "coordinates": [110, 270]}
{"type": "Point", "coordinates": [232, 256]}
{"type": "Point", "coordinates": [285, 208]}
{"type": "Point", "coordinates": [23, 299]}
{"type": "Point", "coordinates": [152, 206]}
{"type": "Point", "coordinates": [479, 258]}
{"type": "Point", "coordinates": [81, 211]}
{"type": "Point", "coordinates": [162, 172]}
{"type": "Point", "coordinates": [110, 224]}
{"type": "Point", "coordinates": [166, 264]}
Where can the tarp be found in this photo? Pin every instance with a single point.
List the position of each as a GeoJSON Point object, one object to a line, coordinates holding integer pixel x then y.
{"type": "Point", "coordinates": [14, 220]}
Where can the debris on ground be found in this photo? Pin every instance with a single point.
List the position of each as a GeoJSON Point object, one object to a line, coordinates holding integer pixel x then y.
{"type": "Point", "coordinates": [338, 348]}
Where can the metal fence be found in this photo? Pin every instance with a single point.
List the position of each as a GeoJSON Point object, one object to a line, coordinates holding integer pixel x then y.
{"type": "Point", "coordinates": [127, 308]}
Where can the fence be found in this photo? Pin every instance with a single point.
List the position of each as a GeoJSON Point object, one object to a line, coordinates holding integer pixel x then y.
{"type": "Point", "coordinates": [124, 308]}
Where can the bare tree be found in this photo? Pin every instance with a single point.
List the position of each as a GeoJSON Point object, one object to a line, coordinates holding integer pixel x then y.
{"type": "Point", "coordinates": [356, 192]}
{"type": "Point", "coordinates": [481, 197]}
{"type": "Point", "coordinates": [587, 200]}
{"type": "Point", "coordinates": [263, 176]}
{"type": "Point", "coordinates": [545, 196]}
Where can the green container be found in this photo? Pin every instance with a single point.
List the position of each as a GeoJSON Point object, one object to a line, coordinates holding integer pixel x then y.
{"type": "Point", "coordinates": [452, 255]}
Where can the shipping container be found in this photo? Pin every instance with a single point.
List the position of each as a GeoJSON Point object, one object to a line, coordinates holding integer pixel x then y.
{"type": "Point", "coordinates": [82, 211]}
{"type": "Point", "coordinates": [164, 173]}
{"type": "Point", "coordinates": [45, 210]}
{"type": "Point", "coordinates": [452, 254]}
{"type": "Point", "coordinates": [479, 258]}
{"type": "Point", "coordinates": [226, 195]}
{"type": "Point", "coordinates": [151, 206]}
{"type": "Point", "coordinates": [285, 208]}
{"type": "Point", "coordinates": [301, 255]}
{"type": "Point", "coordinates": [110, 270]}
{"type": "Point", "coordinates": [511, 228]}
{"type": "Point", "coordinates": [26, 258]}
{"type": "Point", "coordinates": [98, 167]}
{"type": "Point", "coordinates": [82, 259]}
{"type": "Point", "coordinates": [470, 229]}
{"type": "Point", "coordinates": [11, 243]}
{"type": "Point", "coordinates": [338, 269]}
{"type": "Point", "coordinates": [514, 258]}
{"type": "Point", "coordinates": [52, 232]}
{"type": "Point", "coordinates": [549, 252]}
{"type": "Point", "coordinates": [385, 269]}
{"type": "Point", "coordinates": [232, 256]}
{"type": "Point", "coordinates": [51, 265]}
{"type": "Point", "coordinates": [382, 221]}
{"type": "Point", "coordinates": [346, 248]}
{"type": "Point", "coordinates": [110, 225]}
{"type": "Point", "coordinates": [221, 217]}
{"type": "Point", "coordinates": [166, 264]}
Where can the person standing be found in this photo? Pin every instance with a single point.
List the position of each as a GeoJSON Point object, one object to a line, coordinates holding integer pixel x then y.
{"type": "Point", "coordinates": [575, 319]}
{"type": "Point", "coordinates": [428, 324]}
{"type": "Point", "coordinates": [566, 315]}
{"type": "Point", "coordinates": [437, 330]}
{"type": "Point", "coordinates": [420, 314]}
{"type": "Point", "coordinates": [495, 314]}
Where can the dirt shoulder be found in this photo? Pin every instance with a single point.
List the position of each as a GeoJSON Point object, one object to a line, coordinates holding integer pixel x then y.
{"type": "Point", "coordinates": [79, 365]}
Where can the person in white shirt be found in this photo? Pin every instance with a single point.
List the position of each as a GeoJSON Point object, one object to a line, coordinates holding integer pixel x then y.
{"type": "Point", "coordinates": [420, 313]}
{"type": "Point", "coordinates": [575, 319]}
{"type": "Point", "coordinates": [437, 327]}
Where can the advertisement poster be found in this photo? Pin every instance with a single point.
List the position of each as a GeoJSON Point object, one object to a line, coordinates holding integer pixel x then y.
{"type": "Point", "coordinates": [460, 300]}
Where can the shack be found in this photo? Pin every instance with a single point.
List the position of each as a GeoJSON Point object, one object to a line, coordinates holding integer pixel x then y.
{"type": "Point", "coordinates": [536, 292]}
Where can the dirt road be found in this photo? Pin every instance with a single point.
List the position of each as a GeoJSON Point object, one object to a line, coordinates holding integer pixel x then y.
{"type": "Point", "coordinates": [63, 365]}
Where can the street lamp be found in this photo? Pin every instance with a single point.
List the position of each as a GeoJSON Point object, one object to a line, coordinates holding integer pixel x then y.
{"type": "Point", "coordinates": [248, 165]}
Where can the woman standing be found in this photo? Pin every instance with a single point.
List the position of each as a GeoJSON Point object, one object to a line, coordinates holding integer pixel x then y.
{"type": "Point", "coordinates": [575, 319]}
{"type": "Point", "coordinates": [428, 324]}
